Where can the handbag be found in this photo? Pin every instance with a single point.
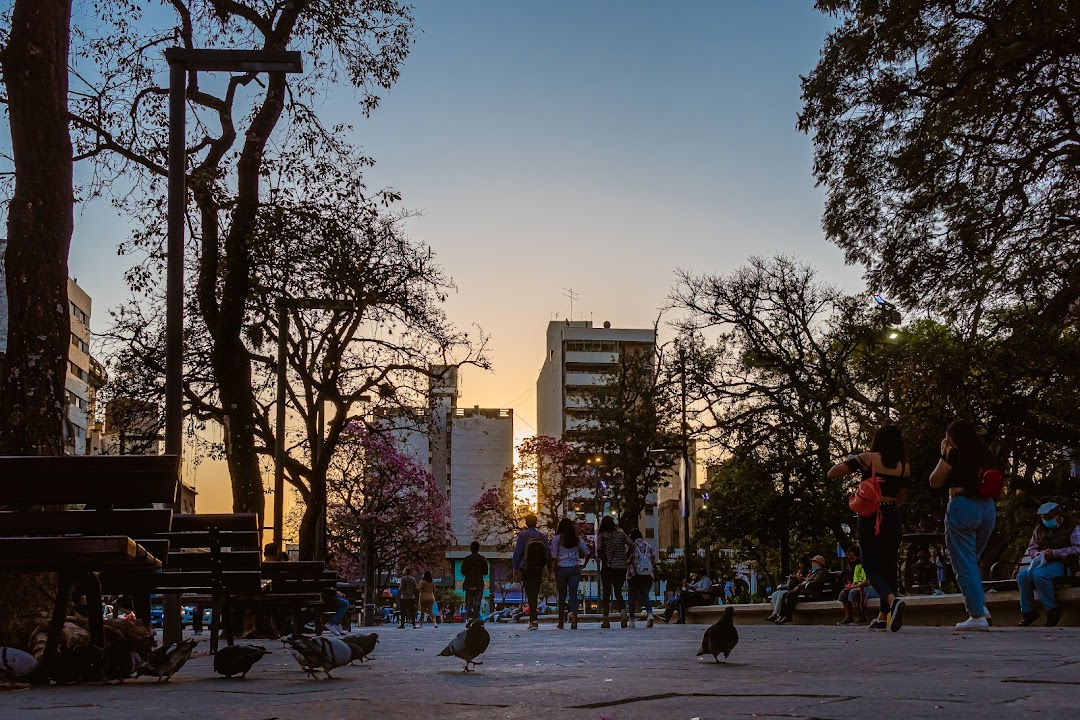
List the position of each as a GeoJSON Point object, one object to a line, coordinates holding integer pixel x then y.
{"type": "Point", "coordinates": [866, 500]}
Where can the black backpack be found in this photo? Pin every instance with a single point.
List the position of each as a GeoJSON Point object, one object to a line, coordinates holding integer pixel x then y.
{"type": "Point", "coordinates": [536, 551]}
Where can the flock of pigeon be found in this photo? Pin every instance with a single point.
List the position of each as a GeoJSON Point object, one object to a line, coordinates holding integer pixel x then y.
{"type": "Point", "coordinates": [118, 662]}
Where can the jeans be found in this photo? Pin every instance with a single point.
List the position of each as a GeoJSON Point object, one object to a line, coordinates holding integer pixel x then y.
{"type": "Point", "coordinates": [1041, 579]}
{"type": "Point", "coordinates": [637, 593]}
{"type": "Point", "coordinates": [473, 596]}
{"type": "Point", "coordinates": [567, 579]}
{"type": "Point", "coordinates": [612, 580]}
{"type": "Point", "coordinates": [342, 608]}
{"type": "Point", "coordinates": [778, 601]}
{"type": "Point", "coordinates": [968, 524]}
{"type": "Point", "coordinates": [530, 581]}
{"type": "Point", "coordinates": [880, 552]}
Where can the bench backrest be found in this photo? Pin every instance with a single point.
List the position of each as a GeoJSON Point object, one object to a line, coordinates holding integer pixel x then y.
{"type": "Point", "coordinates": [99, 480]}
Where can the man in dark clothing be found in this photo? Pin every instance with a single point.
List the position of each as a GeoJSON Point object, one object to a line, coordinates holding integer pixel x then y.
{"type": "Point", "coordinates": [407, 598]}
{"type": "Point", "coordinates": [810, 588]}
{"type": "Point", "coordinates": [473, 569]}
{"type": "Point", "coordinates": [532, 552]}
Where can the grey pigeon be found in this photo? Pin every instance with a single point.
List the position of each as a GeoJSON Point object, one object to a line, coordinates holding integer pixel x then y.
{"type": "Point", "coordinates": [238, 659]}
{"type": "Point", "coordinates": [469, 644]}
{"type": "Point", "coordinates": [166, 661]}
{"type": "Point", "coordinates": [721, 637]}
{"type": "Point", "coordinates": [319, 652]}
{"type": "Point", "coordinates": [17, 666]}
{"type": "Point", "coordinates": [118, 661]}
{"type": "Point", "coordinates": [361, 645]}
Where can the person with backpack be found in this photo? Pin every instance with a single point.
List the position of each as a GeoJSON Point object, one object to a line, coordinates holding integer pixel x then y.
{"type": "Point", "coordinates": [639, 577]}
{"type": "Point", "coordinates": [613, 550]}
{"type": "Point", "coordinates": [886, 467]}
{"type": "Point", "coordinates": [970, 516]}
{"type": "Point", "coordinates": [530, 561]}
{"type": "Point", "coordinates": [567, 551]}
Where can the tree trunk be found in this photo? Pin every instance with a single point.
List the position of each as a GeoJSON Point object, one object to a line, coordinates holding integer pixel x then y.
{"type": "Point", "coordinates": [33, 400]}
{"type": "Point", "coordinates": [307, 532]}
{"type": "Point", "coordinates": [785, 527]}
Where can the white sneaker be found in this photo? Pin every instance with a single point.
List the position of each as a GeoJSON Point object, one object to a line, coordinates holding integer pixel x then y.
{"type": "Point", "coordinates": [630, 623]}
{"type": "Point", "coordinates": [973, 623]}
{"type": "Point", "coordinates": [336, 629]}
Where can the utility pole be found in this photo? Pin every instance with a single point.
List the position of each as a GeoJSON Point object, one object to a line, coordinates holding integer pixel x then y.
{"type": "Point", "coordinates": [688, 498]}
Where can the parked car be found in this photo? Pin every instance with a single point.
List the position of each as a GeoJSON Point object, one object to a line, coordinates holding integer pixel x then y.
{"type": "Point", "coordinates": [187, 612]}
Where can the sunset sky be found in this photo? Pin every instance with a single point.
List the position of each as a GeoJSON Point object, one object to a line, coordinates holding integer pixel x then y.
{"type": "Point", "coordinates": [588, 145]}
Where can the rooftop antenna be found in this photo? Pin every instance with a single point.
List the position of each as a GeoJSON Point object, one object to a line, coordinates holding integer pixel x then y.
{"type": "Point", "coordinates": [569, 293]}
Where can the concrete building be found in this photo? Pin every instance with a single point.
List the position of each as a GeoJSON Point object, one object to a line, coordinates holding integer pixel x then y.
{"type": "Point", "coordinates": [467, 450]}
{"type": "Point", "coordinates": [85, 375]}
{"type": "Point", "coordinates": [578, 360]}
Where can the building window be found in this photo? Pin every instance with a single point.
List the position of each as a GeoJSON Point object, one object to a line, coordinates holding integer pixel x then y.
{"type": "Point", "coordinates": [649, 533]}
{"type": "Point", "coordinates": [592, 346]}
{"type": "Point", "coordinates": [648, 510]}
{"type": "Point", "coordinates": [78, 372]}
{"type": "Point", "coordinates": [75, 400]}
{"type": "Point", "coordinates": [80, 315]}
{"type": "Point", "coordinates": [78, 342]}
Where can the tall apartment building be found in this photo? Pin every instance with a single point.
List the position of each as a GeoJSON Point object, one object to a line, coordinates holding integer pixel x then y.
{"type": "Point", "coordinates": [468, 450]}
{"type": "Point", "coordinates": [577, 362]}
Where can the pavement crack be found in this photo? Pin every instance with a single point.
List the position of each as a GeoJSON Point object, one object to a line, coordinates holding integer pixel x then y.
{"type": "Point", "coordinates": [665, 696]}
{"type": "Point", "coordinates": [469, 704]}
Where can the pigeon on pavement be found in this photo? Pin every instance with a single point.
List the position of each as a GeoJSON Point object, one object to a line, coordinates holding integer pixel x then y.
{"type": "Point", "coordinates": [167, 660]}
{"type": "Point", "coordinates": [721, 637]}
{"type": "Point", "coordinates": [319, 652]}
{"type": "Point", "coordinates": [118, 661]}
{"type": "Point", "coordinates": [17, 666]}
{"type": "Point", "coordinates": [469, 644]}
{"type": "Point", "coordinates": [361, 645]}
{"type": "Point", "coordinates": [237, 659]}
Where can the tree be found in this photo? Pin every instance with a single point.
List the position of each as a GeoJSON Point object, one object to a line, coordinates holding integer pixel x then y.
{"type": "Point", "coordinates": [33, 57]}
{"type": "Point", "coordinates": [632, 428]}
{"type": "Point", "coordinates": [385, 508]}
{"type": "Point", "coordinates": [120, 115]}
{"type": "Point", "coordinates": [497, 517]}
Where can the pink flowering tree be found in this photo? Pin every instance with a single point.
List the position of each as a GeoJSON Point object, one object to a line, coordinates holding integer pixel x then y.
{"type": "Point", "coordinates": [385, 508]}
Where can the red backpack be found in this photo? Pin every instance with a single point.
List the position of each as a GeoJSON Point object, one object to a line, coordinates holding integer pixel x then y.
{"type": "Point", "coordinates": [866, 500]}
{"type": "Point", "coordinates": [991, 483]}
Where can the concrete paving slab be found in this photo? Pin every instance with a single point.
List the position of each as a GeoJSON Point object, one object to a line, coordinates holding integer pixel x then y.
{"type": "Point", "coordinates": [617, 674]}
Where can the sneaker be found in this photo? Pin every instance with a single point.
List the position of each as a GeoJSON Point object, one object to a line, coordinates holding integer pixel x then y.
{"type": "Point", "coordinates": [573, 621]}
{"type": "Point", "coordinates": [877, 625]}
{"type": "Point", "coordinates": [1028, 618]}
{"type": "Point", "coordinates": [310, 626]}
{"type": "Point", "coordinates": [334, 629]}
{"type": "Point", "coordinates": [605, 625]}
{"type": "Point", "coordinates": [630, 623]}
{"type": "Point", "coordinates": [844, 622]}
{"type": "Point", "coordinates": [973, 623]}
{"type": "Point", "coordinates": [534, 626]}
{"type": "Point", "coordinates": [649, 624]}
{"type": "Point", "coordinates": [1053, 615]}
{"type": "Point", "coordinates": [896, 615]}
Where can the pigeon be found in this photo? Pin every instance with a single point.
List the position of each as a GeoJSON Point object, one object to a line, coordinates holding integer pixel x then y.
{"type": "Point", "coordinates": [17, 666]}
{"type": "Point", "coordinates": [81, 663]}
{"type": "Point", "coordinates": [118, 662]}
{"type": "Point", "coordinates": [319, 652]}
{"type": "Point", "coordinates": [721, 637]}
{"type": "Point", "coordinates": [166, 661]}
{"type": "Point", "coordinates": [361, 645]}
{"type": "Point", "coordinates": [238, 659]}
{"type": "Point", "coordinates": [469, 644]}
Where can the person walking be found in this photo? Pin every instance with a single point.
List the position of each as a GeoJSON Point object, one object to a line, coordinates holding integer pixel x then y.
{"type": "Point", "coordinates": [969, 518]}
{"type": "Point", "coordinates": [613, 549]}
{"type": "Point", "coordinates": [473, 569]}
{"type": "Point", "coordinates": [567, 550]}
{"type": "Point", "coordinates": [879, 534]}
{"type": "Point", "coordinates": [426, 590]}
{"type": "Point", "coordinates": [639, 577]}
{"type": "Point", "coordinates": [532, 556]}
{"type": "Point", "coordinates": [407, 598]}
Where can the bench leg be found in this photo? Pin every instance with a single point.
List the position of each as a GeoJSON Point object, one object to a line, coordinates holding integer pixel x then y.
{"type": "Point", "coordinates": [95, 618]}
{"type": "Point", "coordinates": [216, 605]}
{"type": "Point", "coordinates": [171, 631]}
{"type": "Point", "coordinates": [56, 623]}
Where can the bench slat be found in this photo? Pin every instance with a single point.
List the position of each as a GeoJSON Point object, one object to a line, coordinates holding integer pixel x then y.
{"type": "Point", "coordinates": [235, 560]}
{"type": "Point", "coordinates": [203, 580]}
{"type": "Point", "coordinates": [79, 552]}
{"type": "Point", "coordinates": [124, 480]}
{"type": "Point", "coordinates": [133, 523]}
{"type": "Point", "coordinates": [204, 523]}
{"type": "Point", "coordinates": [245, 539]}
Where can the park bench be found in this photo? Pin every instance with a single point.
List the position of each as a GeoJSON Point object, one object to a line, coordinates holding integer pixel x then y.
{"type": "Point", "coordinates": [998, 580]}
{"type": "Point", "coordinates": [291, 587]}
{"type": "Point", "coordinates": [209, 556]}
{"type": "Point", "coordinates": [95, 508]}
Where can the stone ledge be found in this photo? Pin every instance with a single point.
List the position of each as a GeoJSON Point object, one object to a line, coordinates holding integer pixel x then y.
{"type": "Point", "coordinates": [924, 610]}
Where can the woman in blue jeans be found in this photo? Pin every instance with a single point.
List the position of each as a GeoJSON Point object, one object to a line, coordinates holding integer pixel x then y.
{"type": "Point", "coordinates": [567, 549]}
{"type": "Point", "coordinates": [969, 519]}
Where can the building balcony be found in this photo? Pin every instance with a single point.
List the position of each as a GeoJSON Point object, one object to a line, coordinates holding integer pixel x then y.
{"type": "Point", "coordinates": [586, 379]}
{"type": "Point", "coordinates": [591, 358]}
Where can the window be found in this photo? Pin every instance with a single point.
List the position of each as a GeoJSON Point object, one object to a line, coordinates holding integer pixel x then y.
{"type": "Point", "coordinates": [648, 510]}
{"type": "Point", "coordinates": [78, 342]}
{"type": "Point", "coordinates": [78, 372]}
{"type": "Point", "coordinates": [592, 346]}
{"type": "Point", "coordinates": [80, 315]}
{"type": "Point", "coordinates": [75, 400]}
{"type": "Point", "coordinates": [649, 533]}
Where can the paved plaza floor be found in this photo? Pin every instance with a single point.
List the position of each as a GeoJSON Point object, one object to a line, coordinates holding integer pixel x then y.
{"type": "Point", "coordinates": [790, 672]}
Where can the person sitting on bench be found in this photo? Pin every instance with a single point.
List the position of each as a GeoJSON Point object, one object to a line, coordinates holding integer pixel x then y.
{"type": "Point", "coordinates": [808, 588]}
{"type": "Point", "coordinates": [693, 593]}
{"type": "Point", "coordinates": [1055, 542]}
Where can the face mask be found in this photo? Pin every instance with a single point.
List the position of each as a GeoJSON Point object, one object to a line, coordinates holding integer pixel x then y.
{"type": "Point", "coordinates": [1050, 523]}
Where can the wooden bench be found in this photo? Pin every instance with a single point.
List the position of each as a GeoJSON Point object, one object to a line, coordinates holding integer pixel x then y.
{"type": "Point", "coordinates": [291, 586]}
{"type": "Point", "coordinates": [117, 494]}
{"type": "Point", "coordinates": [999, 583]}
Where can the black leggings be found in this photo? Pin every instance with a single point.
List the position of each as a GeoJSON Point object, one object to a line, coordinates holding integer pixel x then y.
{"type": "Point", "coordinates": [880, 552]}
{"type": "Point", "coordinates": [612, 579]}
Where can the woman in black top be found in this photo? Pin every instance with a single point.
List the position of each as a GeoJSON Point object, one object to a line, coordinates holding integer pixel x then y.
{"type": "Point", "coordinates": [888, 461]}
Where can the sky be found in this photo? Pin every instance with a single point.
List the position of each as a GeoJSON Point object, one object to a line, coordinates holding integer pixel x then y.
{"type": "Point", "coordinates": [595, 146]}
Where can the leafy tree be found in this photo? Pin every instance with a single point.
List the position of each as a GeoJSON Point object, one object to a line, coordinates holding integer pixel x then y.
{"type": "Point", "coordinates": [385, 508]}
{"type": "Point", "coordinates": [119, 113]}
{"type": "Point", "coordinates": [633, 428]}
{"type": "Point", "coordinates": [549, 470]}
{"type": "Point", "coordinates": [497, 517]}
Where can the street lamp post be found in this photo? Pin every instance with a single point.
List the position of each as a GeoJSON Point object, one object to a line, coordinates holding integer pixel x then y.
{"type": "Point", "coordinates": [181, 62]}
{"type": "Point", "coordinates": [595, 462]}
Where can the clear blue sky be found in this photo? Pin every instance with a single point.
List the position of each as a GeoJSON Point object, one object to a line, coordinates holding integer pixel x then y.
{"type": "Point", "coordinates": [587, 145]}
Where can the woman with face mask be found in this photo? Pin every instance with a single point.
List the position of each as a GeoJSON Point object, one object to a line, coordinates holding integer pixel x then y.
{"type": "Point", "coordinates": [970, 518]}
